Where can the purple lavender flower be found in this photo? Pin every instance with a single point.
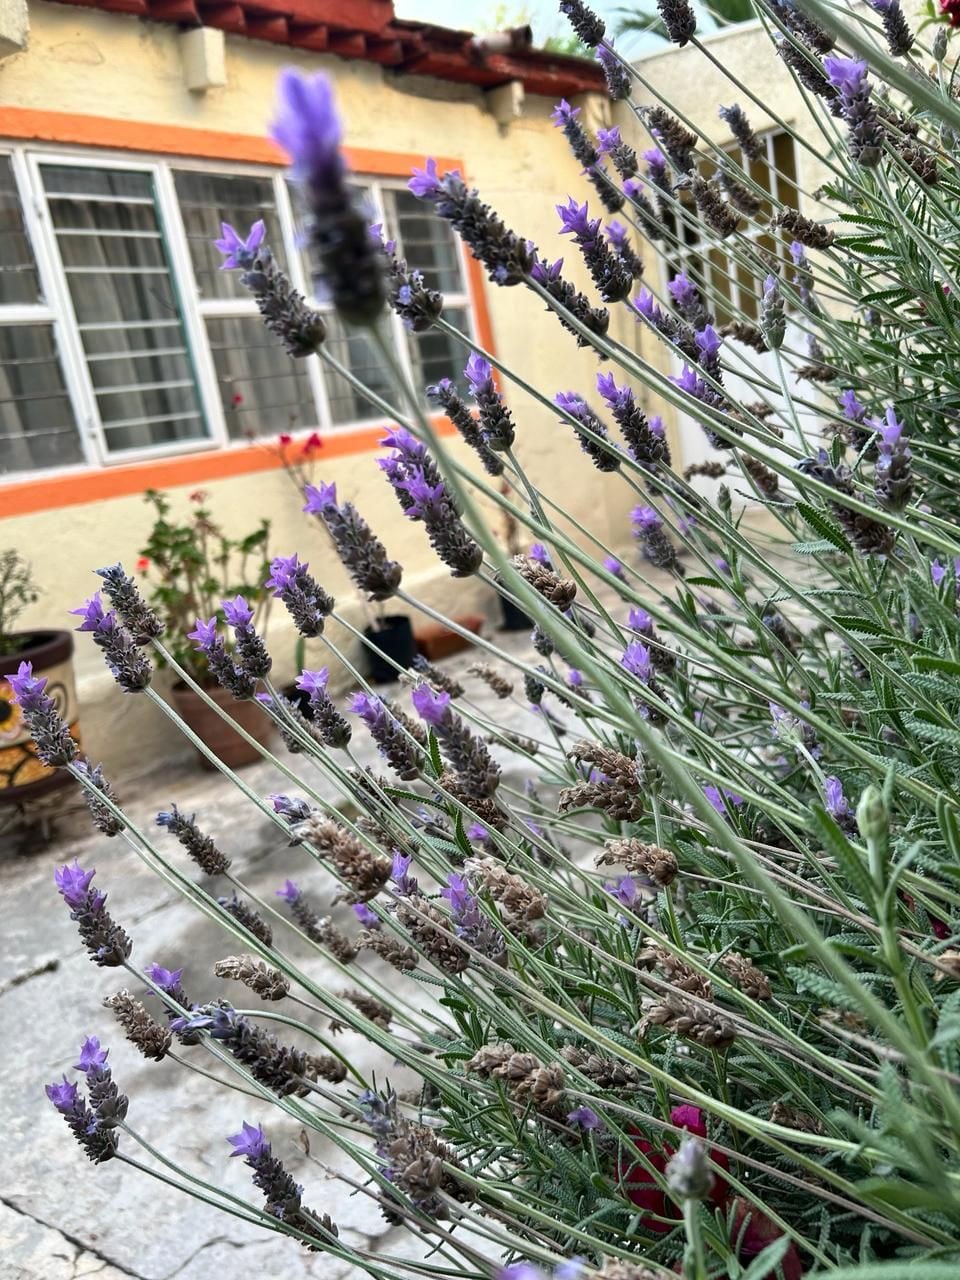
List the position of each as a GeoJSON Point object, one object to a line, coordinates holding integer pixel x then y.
{"type": "Point", "coordinates": [106, 942]}
{"type": "Point", "coordinates": [91, 1055]}
{"type": "Point", "coordinates": [249, 1142]}
{"type": "Point", "coordinates": [477, 833]}
{"type": "Point", "coordinates": [604, 459]}
{"type": "Point", "coordinates": [585, 1118]}
{"type": "Point", "coordinates": [166, 979]}
{"type": "Point", "coordinates": [394, 744]}
{"type": "Point", "coordinates": [350, 264]}
{"type": "Point", "coordinates": [306, 601]}
{"type": "Point", "coordinates": [640, 621]}
{"type": "Point", "coordinates": [609, 272]}
{"type": "Point", "coordinates": [852, 408]}
{"type": "Point", "coordinates": [849, 77]}
{"type": "Point", "coordinates": [129, 667]}
{"type": "Point", "coordinates": [294, 810]}
{"type": "Point", "coordinates": [63, 1096]}
{"type": "Point", "coordinates": [496, 423]}
{"type": "Point", "coordinates": [369, 919]}
{"type": "Point", "coordinates": [648, 448]}
{"type": "Point", "coordinates": [432, 708]}
{"type": "Point", "coordinates": [520, 1271]}
{"type": "Point", "coordinates": [460, 896]}
{"type": "Point", "coordinates": [626, 891]}
{"type": "Point", "coordinates": [683, 291]}
{"type": "Point", "coordinates": [204, 633]}
{"type": "Point", "coordinates": [95, 1134]}
{"type": "Point", "coordinates": [290, 893]}
{"type": "Point", "coordinates": [636, 659]}
{"type": "Point", "coordinates": [893, 480]}
{"type": "Point", "coordinates": [717, 799]}
{"type": "Point", "coordinates": [540, 553]}
{"type": "Point", "coordinates": [575, 678]}
{"type": "Point", "coordinates": [239, 252]}
{"type": "Point", "coordinates": [425, 183]}
{"type": "Point", "coordinates": [404, 883]}
{"type": "Point", "coordinates": [73, 884]}
{"type": "Point", "coordinates": [363, 555]}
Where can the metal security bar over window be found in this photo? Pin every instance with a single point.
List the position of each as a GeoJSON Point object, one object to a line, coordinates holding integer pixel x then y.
{"type": "Point", "coordinates": [121, 339]}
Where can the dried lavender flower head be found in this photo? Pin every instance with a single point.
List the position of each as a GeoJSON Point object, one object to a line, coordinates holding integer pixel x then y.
{"type": "Point", "coordinates": [350, 266]}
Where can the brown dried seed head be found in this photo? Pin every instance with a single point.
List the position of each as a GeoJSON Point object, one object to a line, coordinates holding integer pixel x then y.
{"type": "Point", "coordinates": [152, 1039]}
{"type": "Point", "coordinates": [650, 860]}
{"type": "Point", "coordinates": [491, 677]}
{"type": "Point", "coordinates": [675, 971]}
{"type": "Point", "coordinates": [606, 1072]}
{"type": "Point", "coordinates": [488, 1059]}
{"type": "Point", "coordinates": [560, 592]}
{"type": "Point", "coordinates": [792, 1118]}
{"type": "Point", "coordinates": [747, 977]}
{"type": "Point", "coordinates": [326, 1067]}
{"type": "Point", "coordinates": [389, 948]}
{"type": "Point", "coordinates": [370, 1007]}
{"type": "Point", "coordinates": [432, 930]}
{"type": "Point", "coordinates": [269, 984]}
{"type": "Point", "coordinates": [517, 898]}
{"type": "Point", "coordinates": [691, 1021]}
{"type": "Point", "coordinates": [365, 871]}
{"type": "Point", "coordinates": [614, 1270]}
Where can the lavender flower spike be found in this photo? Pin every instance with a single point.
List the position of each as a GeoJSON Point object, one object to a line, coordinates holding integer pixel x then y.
{"type": "Point", "coordinates": [679, 19]}
{"type": "Point", "coordinates": [51, 737]}
{"type": "Point", "coordinates": [478, 773]}
{"type": "Point", "coordinates": [282, 1195]}
{"type": "Point", "coordinates": [395, 745]}
{"type": "Point", "coordinates": [656, 545]}
{"type": "Point", "coordinates": [251, 653]}
{"type": "Point", "coordinates": [127, 665]}
{"type": "Point", "coordinates": [107, 943]}
{"type": "Point", "coordinates": [496, 424]}
{"type": "Point", "coordinates": [362, 553]}
{"type": "Point", "coordinates": [306, 601]}
{"type": "Point", "coordinates": [604, 459]}
{"type": "Point", "coordinates": [588, 26]}
{"type": "Point", "coordinates": [893, 481]}
{"type": "Point", "coordinates": [350, 266]}
{"type": "Point", "coordinates": [141, 621]}
{"type": "Point", "coordinates": [240, 252]}
{"type": "Point", "coordinates": [865, 139]}
{"type": "Point", "coordinates": [445, 395]}
{"type": "Point", "coordinates": [613, 278]}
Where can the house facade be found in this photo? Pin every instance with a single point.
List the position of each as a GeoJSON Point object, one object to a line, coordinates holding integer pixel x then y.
{"type": "Point", "coordinates": [128, 360]}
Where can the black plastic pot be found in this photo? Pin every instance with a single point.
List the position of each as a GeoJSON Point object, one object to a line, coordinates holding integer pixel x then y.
{"type": "Point", "coordinates": [514, 619]}
{"type": "Point", "coordinates": [394, 637]}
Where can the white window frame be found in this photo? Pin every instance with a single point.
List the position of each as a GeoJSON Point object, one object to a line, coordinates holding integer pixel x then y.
{"type": "Point", "coordinates": [57, 310]}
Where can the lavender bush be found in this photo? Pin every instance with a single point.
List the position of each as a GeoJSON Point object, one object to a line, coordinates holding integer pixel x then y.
{"type": "Point", "coordinates": [689, 997]}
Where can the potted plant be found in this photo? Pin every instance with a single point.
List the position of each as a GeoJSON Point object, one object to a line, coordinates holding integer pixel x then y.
{"type": "Point", "coordinates": [22, 775]}
{"type": "Point", "coordinates": [190, 567]}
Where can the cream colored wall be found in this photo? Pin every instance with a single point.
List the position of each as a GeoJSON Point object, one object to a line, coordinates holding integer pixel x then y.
{"type": "Point", "coordinates": [116, 66]}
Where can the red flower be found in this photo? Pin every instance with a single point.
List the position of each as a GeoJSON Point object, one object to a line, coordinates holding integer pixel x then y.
{"type": "Point", "coordinates": [752, 1231]}
{"type": "Point", "coordinates": [237, 398]}
{"type": "Point", "coordinates": [951, 9]}
{"type": "Point", "coordinates": [642, 1189]}
{"type": "Point", "coordinates": [143, 564]}
{"type": "Point", "coordinates": [198, 495]}
{"type": "Point", "coordinates": [312, 442]}
{"type": "Point", "coordinates": [283, 440]}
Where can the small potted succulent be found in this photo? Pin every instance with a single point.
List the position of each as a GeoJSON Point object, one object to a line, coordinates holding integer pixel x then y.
{"type": "Point", "coordinates": [50, 652]}
{"type": "Point", "coordinates": [189, 568]}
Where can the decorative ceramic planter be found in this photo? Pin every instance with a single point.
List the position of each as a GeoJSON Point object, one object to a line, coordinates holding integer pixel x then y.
{"type": "Point", "coordinates": [22, 775]}
{"type": "Point", "coordinates": [215, 732]}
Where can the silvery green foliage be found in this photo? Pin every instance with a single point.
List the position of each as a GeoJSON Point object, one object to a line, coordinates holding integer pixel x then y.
{"type": "Point", "coordinates": [697, 972]}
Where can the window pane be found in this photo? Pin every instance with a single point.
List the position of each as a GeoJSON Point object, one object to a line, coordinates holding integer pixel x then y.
{"type": "Point", "coordinates": [353, 348]}
{"type": "Point", "coordinates": [18, 272]}
{"type": "Point", "coordinates": [206, 200]}
{"type": "Point", "coordinates": [437, 355]}
{"type": "Point", "coordinates": [37, 428]}
{"type": "Point", "coordinates": [125, 300]}
{"type": "Point", "coordinates": [426, 241]}
{"type": "Point", "coordinates": [264, 391]}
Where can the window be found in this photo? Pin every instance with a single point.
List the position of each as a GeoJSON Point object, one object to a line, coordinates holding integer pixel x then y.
{"type": "Point", "coordinates": [730, 286]}
{"type": "Point", "coordinates": [122, 339]}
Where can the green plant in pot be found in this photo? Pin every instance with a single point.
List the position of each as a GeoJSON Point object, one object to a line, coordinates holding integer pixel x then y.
{"type": "Point", "coordinates": [190, 567]}
{"type": "Point", "coordinates": [22, 775]}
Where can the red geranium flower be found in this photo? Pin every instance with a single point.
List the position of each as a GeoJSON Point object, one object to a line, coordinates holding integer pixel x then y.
{"type": "Point", "coordinates": [283, 440]}
{"type": "Point", "coordinates": [312, 442]}
{"type": "Point", "coordinates": [951, 9]}
{"type": "Point", "coordinates": [143, 564]}
{"type": "Point", "coordinates": [641, 1187]}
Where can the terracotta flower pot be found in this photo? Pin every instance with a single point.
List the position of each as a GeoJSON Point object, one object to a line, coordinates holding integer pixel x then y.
{"type": "Point", "coordinates": [215, 732]}
{"type": "Point", "coordinates": [22, 776]}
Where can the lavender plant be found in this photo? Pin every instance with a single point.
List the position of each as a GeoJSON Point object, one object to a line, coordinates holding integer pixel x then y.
{"type": "Point", "coordinates": [686, 1001]}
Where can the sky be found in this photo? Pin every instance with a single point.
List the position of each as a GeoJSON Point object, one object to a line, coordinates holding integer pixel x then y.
{"type": "Point", "coordinates": [475, 15]}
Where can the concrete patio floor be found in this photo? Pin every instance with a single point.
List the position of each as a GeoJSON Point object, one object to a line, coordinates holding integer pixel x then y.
{"type": "Point", "coordinates": [62, 1218]}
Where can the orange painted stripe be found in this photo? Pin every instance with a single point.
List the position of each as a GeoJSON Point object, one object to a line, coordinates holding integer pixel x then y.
{"type": "Point", "coordinates": [28, 124]}
{"type": "Point", "coordinates": [99, 484]}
